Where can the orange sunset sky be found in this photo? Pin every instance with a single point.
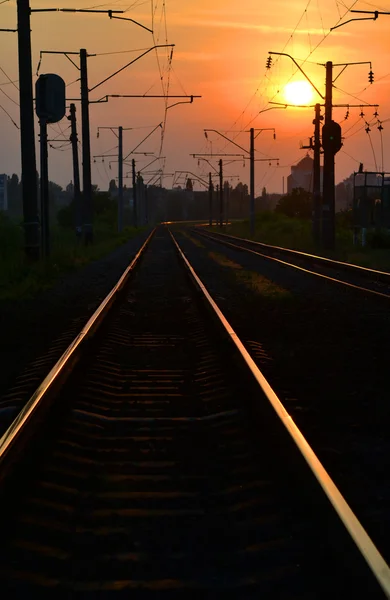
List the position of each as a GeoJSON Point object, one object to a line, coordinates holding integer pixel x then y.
{"type": "Point", "coordinates": [220, 53]}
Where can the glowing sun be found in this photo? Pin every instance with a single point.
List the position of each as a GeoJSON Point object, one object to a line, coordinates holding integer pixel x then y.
{"type": "Point", "coordinates": [298, 92]}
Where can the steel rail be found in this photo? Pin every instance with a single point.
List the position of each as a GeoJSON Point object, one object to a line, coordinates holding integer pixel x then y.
{"type": "Point", "coordinates": [367, 548]}
{"type": "Point", "coordinates": [359, 270]}
{"type": "Point", "coordinates": [212, 236]}
{"type": "Point", "coordinates": [66, 362]}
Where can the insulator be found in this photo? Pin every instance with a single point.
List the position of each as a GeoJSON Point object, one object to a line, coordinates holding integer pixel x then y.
{"type": "Point", "coordinates": [368, 130]}
{"type": "Point", "coordinates": [361, 114]}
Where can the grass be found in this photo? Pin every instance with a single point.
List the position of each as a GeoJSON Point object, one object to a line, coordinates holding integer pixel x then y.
{"type": "Point", "coordinates": [279, 230]}
{"type": "Point", "coordinates": [19, 280]}
{"type": "Point", "coordinates": [253, 281]}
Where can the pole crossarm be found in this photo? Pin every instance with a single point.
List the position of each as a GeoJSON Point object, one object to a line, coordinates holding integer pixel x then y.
{"type": "Point", "coordinates": [110, 13]}
{"type": "Point", "coordinates": [64, 53]}
{"type": "Point", "coordinates": [105, 156]}
{"type": "Point", "coordinates": [216, 154]}
{"type": "Point", "coordinates": [190, 101]}
{"type": "Point", "coordinates": [333, 105]}
{"type": "Point", "coordinates": [375, 14]}
{"type": "Point", "coordinates": [128, 19]}
{"type": "Point", "coordinates": [10, 30]}
{"type": "Point", "coordinates": [205, 183]}
{"type": "Point", "coordinates": [226, 138]}
{"type": "Point", "coordinates": [130, 63]}
{"type": "Point", "coordinates": [350, 21]}
{"type": "Point", "coordinates": [113, 129]}
{"type": "Point", "coordinates": [107, 96]}
{"type": "Point", "coordinates": [73, 10]}
{"type": "Point", "coordinates": [145, 138]}
{"type": "Point", "coordinates": [208, 162]}
{"type": "Point", "coordinates": [345, 65]}
{"type": "Point", "coordinates": [301, 70]}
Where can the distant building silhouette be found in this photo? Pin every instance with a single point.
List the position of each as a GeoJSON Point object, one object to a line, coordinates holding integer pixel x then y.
{"type": "Point", "coordinates": [3, 192]}
{"type": "Point", "coordinates": [302, 175]}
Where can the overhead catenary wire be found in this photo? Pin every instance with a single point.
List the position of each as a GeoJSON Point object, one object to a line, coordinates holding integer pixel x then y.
{"type": "Point", "coordinates": [9, 116]}
{"type": "Point", "coordinates": [9, 78]}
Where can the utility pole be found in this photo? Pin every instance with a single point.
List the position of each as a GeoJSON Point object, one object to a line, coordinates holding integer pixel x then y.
{"type": "Point", "coordinates": [328, 201]}
{"type": "Point", "coordinates": [220, 192]}
{"type": "Point", "coordinates": [146, 205]}
{"type": "Point", "coordinates": [87, 183]}
{"type": "Point", "coordinates": [252, 164]}
{"type": "Point", "coordinates": [135, 216]}
{"type": "Point", "coordinates": [316, 223]}
{"type": "Point", "coordinates": [44, 190]}
{"type": "Point", "coordinates": [211, 191]}
{"type": "Point", "coordinates": [27, 135]}
{"type": "Point", "coordinates": [252, 181]}
{"type": "Point", "coordinates": [76, 172]}
{"type": "Point", "coordinates": [120, 179]}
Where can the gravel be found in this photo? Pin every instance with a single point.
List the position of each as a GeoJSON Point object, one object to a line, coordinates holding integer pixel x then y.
{"type": "Point", "coordinates": [34, 333]}
{"type": "Point", "coordinates": [323, 348]}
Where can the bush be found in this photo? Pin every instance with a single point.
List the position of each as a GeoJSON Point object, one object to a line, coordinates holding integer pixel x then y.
{"type": "Point", "coordinates": [297, 204]}
{"type": "Point", "coordinates": [379, 238]}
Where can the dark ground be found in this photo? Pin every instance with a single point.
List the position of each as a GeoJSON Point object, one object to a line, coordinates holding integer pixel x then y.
{"type": "Point", "coordinates": [34, 333]}
{"type": "Point", "coordinates": [324, 349]}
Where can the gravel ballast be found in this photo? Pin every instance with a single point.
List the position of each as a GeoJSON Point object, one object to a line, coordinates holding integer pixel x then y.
{"type": "Point", "coordinates": [324, 349]}
{"type": "Point", "coordinates": [35, 332]}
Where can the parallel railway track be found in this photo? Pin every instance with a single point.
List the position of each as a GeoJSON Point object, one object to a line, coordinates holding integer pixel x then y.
{"type": "Point", "coordinates": [155, 461]}
{"type": "Point", "coordinates": [370, 281]}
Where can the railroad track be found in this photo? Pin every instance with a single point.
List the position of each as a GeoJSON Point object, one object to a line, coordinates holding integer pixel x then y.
{"type": "Point", "coordinates": [360, 278]}
{"type": "Point", "coordinates": [156, 461]}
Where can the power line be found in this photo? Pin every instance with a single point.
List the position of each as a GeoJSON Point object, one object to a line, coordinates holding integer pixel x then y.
{"type": "Point", "coordinates": [9, 78]}
{"type": "Point", "coordinates": [7, 113]}
{"type": "Point", "coordinates": [9, 97]}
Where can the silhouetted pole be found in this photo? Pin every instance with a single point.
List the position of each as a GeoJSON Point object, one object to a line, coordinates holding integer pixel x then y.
{"type": "Point", "coordinates": [146, 205]}
{"type": "Point", "coordinates": [44, 190]}
{"type": "Point", "coordinates": [27, 135]}
{"type": "Point", "coordinates": [211, 191]}
{"type": "Point", "coordinates": [76, 171]}
{"type": "Point", "coordinates": [135, 215]}
{"type": "Point", "coordinates": [120, 179]}
{"type": "Point", "coordinates": [328, 200]}
{"type": "Point", "coordinates": [220, 192]}
{"type": "Point", "coordinates": [316, 215]}
{"type": "Point", "coordinates": [87, 183]}
{"type": "Point", "coordinates": [252, 181]}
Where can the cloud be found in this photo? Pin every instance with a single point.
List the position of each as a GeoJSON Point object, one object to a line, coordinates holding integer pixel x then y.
{"type": "Point", "coordinates": [196, 56]}
{"type": "Point", "coordinates": [222, 24]}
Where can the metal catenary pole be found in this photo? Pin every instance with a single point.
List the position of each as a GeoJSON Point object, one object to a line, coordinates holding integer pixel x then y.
{"type": "Point", "coordinates": [316, 223]}
{"type": "Point", "coordinates": [135, 216]}
{"type": "Point", "coordinates": [211, 191]}
{"type": "Point", "coordinates": [328, 202]}
{"type": "Point", "coordinates": [76, 172]}
{"type": "Point", "coordinates": [27, 135]}
{"type": "Point", "coordinates": [252, 181]}
{"type": "Point", "coordinates": [86, 150]}
{"type": "Point", "coordinates": [220, 192]}
{"type": "Point", "coordinates": [120, 179]}
{"type": "Point", "coordinates": [44, 190]}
